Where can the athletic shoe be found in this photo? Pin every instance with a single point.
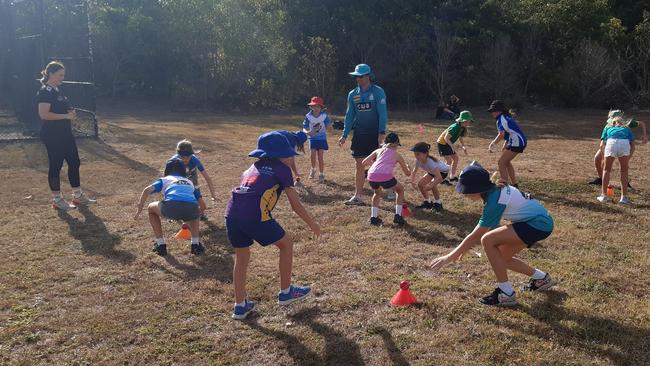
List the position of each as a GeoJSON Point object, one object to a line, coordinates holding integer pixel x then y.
{"type": "Point", "coordinates": [298, 184]}
{"type": "Point", "coordinates": [354, 201]}
{"type": "Point", "coordinates": [602, 199]}
{"type": "Point", "coordinates": [625, 201]}
{"type": "Point", "coordinates": [629, 186]}
{"type": "Point", "coordinates": [453, 179]}
{"type": "Point", "coordinates": [203, 217]}
{"type": "Point", "coordinates": [295, 294]}
{"type": "Point", "coordinates": [197, 249]}
{"type": "Point", "coordinates": [161, 249]}
{"type": "Point", "coordinates": [399, 220]}
{"type": "Point", "coordinates": [437, 206]}
{"type": "Point", "coordinates": [60, 204]}
{"type": "Point", "coordinates": [83, 199]}
{"type": "Point", "coordinates": [241, 312]}
{"type": "Point", "coordinates": [426, 205]}
{"type": "Point", "coordinates": [375, 221]}
{"type": "Point", "coordinates": [596, 182]}
{"type": "Point", "coordinates": [321, 178]}
{"type": "Point", "coordinates": [539, 285]}
{"type": "Point", "coordinates": [499, 298]}
{"type": "Point", "coordinates": [446, 182]}
{"type": "Point", "coordinates": [312, 174]}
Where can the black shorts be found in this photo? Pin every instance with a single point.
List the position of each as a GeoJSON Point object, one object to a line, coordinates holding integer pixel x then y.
{"type": "Point", "coordinates": [442, 174]}
{"type": "Point", "coordinates": [386, 185]}
{"type": "Point", "coordinates": [517, 149]}
{"type": "Point", "coordinates": [364, 144]}
{"type": "Point", "coordinates": [529, 234]}
{"type": "Point", "coordinates": [178, 210]}
{"type": "Point", "coordinates": [445, 150]}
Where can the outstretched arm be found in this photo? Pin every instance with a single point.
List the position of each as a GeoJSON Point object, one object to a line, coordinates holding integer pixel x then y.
{"type": "Point", "coordinates": [143, 198]}
{"type": "Point", "coordinates": [470, 240]}
{"type": "Point", "coordinates": [208, 180]}
{"type": "Point", "coordinates": [369, 159]}
{"type": "Point", "coordinates": [299, 209]}
{"type": "Point", "coordinates": [404, 165]}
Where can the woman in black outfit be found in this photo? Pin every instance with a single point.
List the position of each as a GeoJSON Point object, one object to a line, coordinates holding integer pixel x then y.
{"type": "Point", "coordinates": [56, 133]}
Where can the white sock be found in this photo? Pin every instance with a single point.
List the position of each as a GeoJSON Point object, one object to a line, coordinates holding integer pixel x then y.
{"type": "Point", "coordinates": [437, 201]}
{"type": "Point", "coordinates": [398, 209]}
{"type": "Point", "coordinates": [506, 287]}
{"type": "Point", "coordinates": [160, 241]}
{"type": "Point", "coordinates": [286, 290]}
{"type": "Point", "coordinates": [374, 211]}
{"type": "Point", "coordinates": [428, 199]}
{"type": "Point", "coordinates": [76, 192]}
{"type": "Point", "coordinates": [195, 240]}
{"type": "Point", "coordinates": [241, 304]}
{"type": "Point", "coordinates": [538, 275]}
{"type": "Point", "coordinates": [56, 195]}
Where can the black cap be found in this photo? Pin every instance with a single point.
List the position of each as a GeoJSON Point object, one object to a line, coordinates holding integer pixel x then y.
{"type": "Point", "coordinates": [498, 106]}
{"type": "Point", "coordinates": [175, 167]}
{"type": "Point", "coordinates": [392, 138]}
{"type": "Point", "coordinates": [421, 147]}
{"type": "Point", "coordinates": [474, 179]}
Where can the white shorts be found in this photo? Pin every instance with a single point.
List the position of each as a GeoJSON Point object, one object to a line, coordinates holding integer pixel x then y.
{"type": "Point", "coordinates": [617, 148]}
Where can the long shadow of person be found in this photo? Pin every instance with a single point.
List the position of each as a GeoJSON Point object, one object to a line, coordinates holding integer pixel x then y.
{"type": "Point", "coordinates": [622, 344]}
{"type": "Point", "coordinates": [301, 355]}
{"type": "Point", "coordinates": [94, 236]}
{"type": "Point", "coordinates": [393, 351]}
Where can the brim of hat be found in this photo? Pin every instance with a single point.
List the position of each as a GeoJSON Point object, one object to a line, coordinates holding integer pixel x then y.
{"type": "Point", "coordinates": [312, 104]}
{"type": "Point", "coordinates": [259, 153]}
{"type": "Point", "coordinates": [354, 73]}
{"type": "Point", "coordinates": [465, 189]}
{"type": "Point", "coordinates": [459, 120]}
{"type": "Point", "coordinates": [492, 109]}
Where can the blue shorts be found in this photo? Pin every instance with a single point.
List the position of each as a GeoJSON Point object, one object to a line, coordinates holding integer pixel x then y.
{"type": "Point", "coordinates": [318, 144]}
{"type": "Point", "coordinates": [529, 234]}
{"type": "Point", "coordinates": [517, 149]}
{"type": "Point", "coordinates": [197, 193]}
{"type": "Point", "coordinates": [241, 233]}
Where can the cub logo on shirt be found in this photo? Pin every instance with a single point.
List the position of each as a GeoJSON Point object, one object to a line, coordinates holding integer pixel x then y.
{"type": "Point", "coordinates": [317, 127]}
{"type": "Point", "coordinates": [364, 107]}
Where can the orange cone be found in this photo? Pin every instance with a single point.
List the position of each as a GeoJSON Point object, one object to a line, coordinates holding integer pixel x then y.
{"type": "Point", "coordinates": [403, 297]}
{"type": "Point", "coordinates": [610, 191]}
{"type": "Point", "coordinates": [184, 233]}
{"type": "Point", "coordinates": [406, 212]}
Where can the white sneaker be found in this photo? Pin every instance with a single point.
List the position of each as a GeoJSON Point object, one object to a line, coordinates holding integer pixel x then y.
{"type": "Point", "coordinates": [312, 174]}
{"type": "Point", "coordinates": [321, 178]}
{"type": "Point", "coordinates": [60, 204]}
{"type": "Point", "coordinates": [625, 201]}
{"type": "Point", "coordinates": [602, 199]}
{"type": "Point", "coordinates": [83, 200]}
{"type": "Point", "coordinates": [354, 201]}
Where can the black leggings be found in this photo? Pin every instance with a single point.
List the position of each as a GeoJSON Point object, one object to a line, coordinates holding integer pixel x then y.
{"type": "Point", "coordinates": [60, 148]}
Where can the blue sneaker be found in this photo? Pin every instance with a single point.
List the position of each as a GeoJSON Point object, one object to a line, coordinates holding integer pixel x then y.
{"type": "Point", "coordinates": [241, 312]}
{"type": "Point", "coordinates": [295, 294]}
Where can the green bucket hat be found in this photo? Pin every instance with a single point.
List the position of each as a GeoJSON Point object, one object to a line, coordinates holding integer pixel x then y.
{"type": "Point", "coordinates": [464, 117]}
{"type": "Point", "coordinates": [615, 113]}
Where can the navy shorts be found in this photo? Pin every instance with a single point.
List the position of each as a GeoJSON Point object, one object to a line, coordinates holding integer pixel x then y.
{"type": "Point", "coordinates": [442, 174]}
{"type": "Point", "coordinates": [178, 210]}
{"type": "Point", "coordinates": [517, 149]}
{"type": "Point", "coordinates": [197, 193]}
{"type": "Point", "coordinates": [318, 145]}
{"type": "Point", "coordinates": [364, 144]}
{"type": "Point", "coordinates": [242, 233]}
{"type": "Point", "coordinates": [529, 234]}
{"type": "Point", "coordinates": [386, 185]}
{"type": "Point", "coordinates": [445, 150]}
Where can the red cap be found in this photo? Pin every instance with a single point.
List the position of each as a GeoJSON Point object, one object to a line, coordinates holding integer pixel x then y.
{"type": "Point", "coordinates": [317, 101]}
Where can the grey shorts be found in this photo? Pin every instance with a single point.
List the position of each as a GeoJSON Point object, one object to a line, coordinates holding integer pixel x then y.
{"type": "Point", "coordinates": [177, 210]}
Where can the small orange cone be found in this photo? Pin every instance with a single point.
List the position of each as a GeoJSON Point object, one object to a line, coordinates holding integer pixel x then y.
{"type": "Point", "coordinates": [184, 233]}
{"type": "Point", "coordinates": [610, 191]}
{"type": "Point", "coordinates": [406, 212]}
{"type": "Point", "coordinates": [403, 297]}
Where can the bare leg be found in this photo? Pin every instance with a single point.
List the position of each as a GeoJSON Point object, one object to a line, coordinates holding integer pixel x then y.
{"type": "Point", "coordinates": [424, 181]}
{"type": "Point", "coordinates": [505, 165]}
{"type": "Point", "coordinates": [434, 190]}
{"type": "Point", "coordinates": [514, 263]}
{"type": "Point", "coordinates": [376, 197]}
{"type": "Point", "coordinates": [502, 236]}
{"type": "Point", "coordinates": [624, 161]}
{"type": "Point", "coordinates": [607, 172]}
{"type": "Point", "coordinates": [313, 154]}
{"type": "Point", "coordinates": [202, 205]}
{"type": "Point", "coordinates": [399, 194]}
{"type": "Point", "coordinates": [598, 162]}
{"type": "Point", "coordinates": [454, 164]}
{"type": "Point", "coordinates": [286, 260]}
{"type": "Point", "coordinates": [321, 161]}
{"type": "Point", "coordinates": [242, 257]}
{"type": "Point", "coordinates": [154, 219]}
{"type": "Point", "coordinates": [194, 228]}
{"type": "Point", "coordinates": [360, 177]}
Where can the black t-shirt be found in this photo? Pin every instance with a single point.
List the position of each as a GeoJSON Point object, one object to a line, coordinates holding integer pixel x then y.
{"type": "Point", "coordinates": [59, 105]}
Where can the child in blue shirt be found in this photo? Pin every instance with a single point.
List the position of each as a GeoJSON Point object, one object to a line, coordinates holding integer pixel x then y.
{"type": "Point", "coordinates": [530, 223]}
{"type": "Point", "coordinates": [179, 203]}
{"type": "Point", "coordinates": [185, 152]}
{"type": "Point", "coordinates": [515, 141]}
{"type": "Point", "coordinates": [616, 142]}
{"type": "Point", "coordinates": [316, 125]}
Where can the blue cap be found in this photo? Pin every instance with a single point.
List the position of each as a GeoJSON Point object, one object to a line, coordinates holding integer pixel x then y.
{"type": "Point", "coordinates": [474, 179]}
{"type": "Point", "coordinates": [361, 70]}
{"type": "Point", "coordinates": [273, 145]}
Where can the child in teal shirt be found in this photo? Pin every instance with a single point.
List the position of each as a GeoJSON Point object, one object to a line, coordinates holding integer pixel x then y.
{"type": "Point", "coordinates": [616, 141]}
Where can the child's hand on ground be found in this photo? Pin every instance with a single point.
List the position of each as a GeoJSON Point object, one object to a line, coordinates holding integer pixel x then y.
{"type": "Point", "coordinates": [442, 261]}
{"type": "Point", "coordinates": [137, 214]}
{"type": "Point", "coordinates": [491, 146]}
{"type": "Point", "coordinates": [315, 228]}
{"type": "Point", "coordinates": [342, 141]}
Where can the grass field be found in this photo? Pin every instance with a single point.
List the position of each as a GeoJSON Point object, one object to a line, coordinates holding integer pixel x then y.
{"type": "Point", "coordinates": [85, 289]}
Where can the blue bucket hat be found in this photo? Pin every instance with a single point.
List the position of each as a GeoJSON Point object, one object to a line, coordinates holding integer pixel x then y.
{"type": "Point", "coordinates": [295, 138]}
{"type": "Point", "coordinates": [474, 179]}
{"type": "Point", "coordinates": [361, 70]}
{"type": "Point", "coordinates": [273, 145]}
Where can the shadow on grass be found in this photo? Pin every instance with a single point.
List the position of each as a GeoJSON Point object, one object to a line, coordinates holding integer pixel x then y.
{"type": "Point", "coordinates": [622, 344]}
{"type": "Point", "coordinates": [216, 262]}
{"type": "Point", "coordinates": [339, 350]}
{"type": "Point", "coordinates": [94, 236]}
{"type": "Point", "coordinates": [105, 152]}
{"type": "Point", "coordinates": [393, 351]}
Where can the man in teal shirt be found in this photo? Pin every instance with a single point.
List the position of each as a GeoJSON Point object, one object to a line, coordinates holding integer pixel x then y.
{"type": "Point", "coordinates": [367, 115]}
